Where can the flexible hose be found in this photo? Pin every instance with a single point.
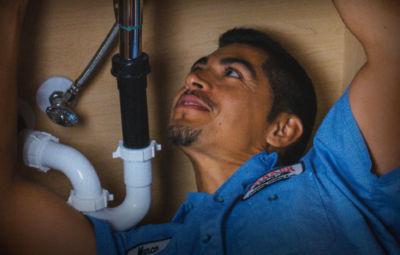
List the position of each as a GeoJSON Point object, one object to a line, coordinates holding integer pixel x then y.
{"type": "Point", "coordinates": [101, 52]}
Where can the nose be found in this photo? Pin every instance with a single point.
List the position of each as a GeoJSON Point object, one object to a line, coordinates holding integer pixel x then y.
{"type": "Point", "coordinates": [196, 81]}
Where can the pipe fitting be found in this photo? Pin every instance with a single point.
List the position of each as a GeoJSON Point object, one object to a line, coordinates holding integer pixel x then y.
{"type": "Point", "coordinates": [137, 178]}
{"type": "Point", "coordinates": [42, 151]}
{"type": "Point", "coordinates": [137, 155]}
{"type": "Point", "coordinates": [35, 141]}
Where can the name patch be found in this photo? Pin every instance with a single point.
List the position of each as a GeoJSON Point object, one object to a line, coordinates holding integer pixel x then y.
{"type": "Point", "coordinates": [273, 177]}
{"type": "Point", "coordinates": [149, 248]}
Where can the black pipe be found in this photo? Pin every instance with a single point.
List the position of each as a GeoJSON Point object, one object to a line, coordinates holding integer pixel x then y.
{"type": "Point", "coordinates": [131, 76]}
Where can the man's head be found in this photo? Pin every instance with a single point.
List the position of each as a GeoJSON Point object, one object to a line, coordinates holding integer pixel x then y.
{"type": "Point", "coordinates": [248, 95]}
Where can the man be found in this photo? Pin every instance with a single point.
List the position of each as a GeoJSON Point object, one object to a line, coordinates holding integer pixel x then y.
{"type": "Point", "coordinates": [231, 120]}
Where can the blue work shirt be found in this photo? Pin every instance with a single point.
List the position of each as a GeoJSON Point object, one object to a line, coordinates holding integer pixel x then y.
{"type": "Point", "coordinates": [335, 206]}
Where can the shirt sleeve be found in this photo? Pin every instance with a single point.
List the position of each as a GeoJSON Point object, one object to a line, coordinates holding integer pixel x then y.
{"type": "Point", "coordinates": [105, 242]}
{"type": "Point", "coordinates": [340, 143]}
{"type": "Point", "coordinates": [342, 156]}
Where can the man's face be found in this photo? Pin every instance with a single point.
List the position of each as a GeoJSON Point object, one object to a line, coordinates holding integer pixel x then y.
{"type": "Point", "coordinates": [224, 104]}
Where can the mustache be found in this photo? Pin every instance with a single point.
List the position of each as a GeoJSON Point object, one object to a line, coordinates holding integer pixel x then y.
{"type": "Point", "coordinates": [210, 103]}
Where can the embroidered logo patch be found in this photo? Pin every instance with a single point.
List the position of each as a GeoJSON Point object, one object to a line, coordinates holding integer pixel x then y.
{"type": "Point", "coordinates": [149, 248]}
{"type": "Point", "coordinates": [273, 177]}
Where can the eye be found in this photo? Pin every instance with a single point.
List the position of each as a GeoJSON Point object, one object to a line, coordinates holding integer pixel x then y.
{"type": "Point", "coordinates": [232, 73]}
{"type": "Point", "coordinates": [195, 68]}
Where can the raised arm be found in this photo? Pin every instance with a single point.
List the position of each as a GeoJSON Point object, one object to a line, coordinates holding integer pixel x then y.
{"type": "Point", "coordinates": [32, 220]}
{"type": "Point", "coordinates": [375, 90]}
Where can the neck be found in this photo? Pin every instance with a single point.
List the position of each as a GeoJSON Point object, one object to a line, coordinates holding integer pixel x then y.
{"type": "Point", "coordinates": [213, 169]}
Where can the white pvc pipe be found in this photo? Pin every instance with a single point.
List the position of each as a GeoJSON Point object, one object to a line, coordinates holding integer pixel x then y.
{"type": "Point", "coordinates": [41, 150]}
{"type": "Point", "coordinates": [135, 206]}
{"type": "Point", "coordinates": [137, 177]}
{"type": "Point", "coordinates": [75, 166]}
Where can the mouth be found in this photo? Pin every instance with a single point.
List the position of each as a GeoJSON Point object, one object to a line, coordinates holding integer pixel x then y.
{"type": "Point", "coordinates": [193, 102]}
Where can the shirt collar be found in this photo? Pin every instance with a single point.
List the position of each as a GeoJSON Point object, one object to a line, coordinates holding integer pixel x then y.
{"type": "Point", "coordinates": [240, 180]}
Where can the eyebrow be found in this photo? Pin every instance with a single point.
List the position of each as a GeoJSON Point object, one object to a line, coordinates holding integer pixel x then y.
{"type": "Point", "coordinates": [228, 61]}
{"type": "Point", "coordinates": [201, 61]}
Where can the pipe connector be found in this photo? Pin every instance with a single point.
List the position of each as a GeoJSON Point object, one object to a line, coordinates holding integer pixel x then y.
{"type": "Point", "coordinates": [90, 205]}
{"type": "Point", "coordinates": [35, 142]}
{"type": "Point", "coordinates": [137, 164]}
{"type": "Point", "coordinates": [137, 155]}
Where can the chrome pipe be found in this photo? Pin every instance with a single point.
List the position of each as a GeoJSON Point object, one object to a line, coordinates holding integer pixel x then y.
{"type": "Point", "coordinates": [130, 22]}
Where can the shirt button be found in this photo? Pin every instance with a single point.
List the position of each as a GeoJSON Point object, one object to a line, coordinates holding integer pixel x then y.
{"type": "Point", "coordinates": [273, 197]}
{"type": "Point", "coordinates": [219, 199]}
{"type": "Point", "coordinates": [206, 238]}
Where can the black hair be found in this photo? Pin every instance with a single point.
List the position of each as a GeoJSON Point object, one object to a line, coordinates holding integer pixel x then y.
{"type": "Point", "coordinates": [293, 91]}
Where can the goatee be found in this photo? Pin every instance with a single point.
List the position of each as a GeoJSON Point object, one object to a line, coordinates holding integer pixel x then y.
{"type": "Point", "coordinates": [182, 135]}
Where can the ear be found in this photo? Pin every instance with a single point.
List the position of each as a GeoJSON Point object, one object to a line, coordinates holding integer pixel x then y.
{"type": "Point", "coordinates": [285, 130]}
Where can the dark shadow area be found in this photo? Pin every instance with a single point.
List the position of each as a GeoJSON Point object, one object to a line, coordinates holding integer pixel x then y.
{"type": "Point", "coordinates": [29, 53]}
{"type": "Point", "coordinates": [30, 50]}
{"type": "Point", "coordinates": [166, 159]}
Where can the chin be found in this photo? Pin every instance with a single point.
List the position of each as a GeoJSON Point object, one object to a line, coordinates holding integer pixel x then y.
{"type": "Point", "coordinates": [181, 135]}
